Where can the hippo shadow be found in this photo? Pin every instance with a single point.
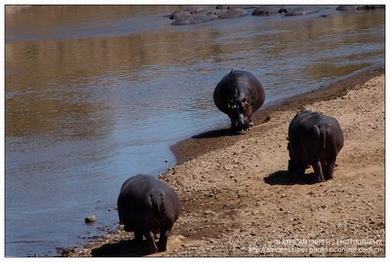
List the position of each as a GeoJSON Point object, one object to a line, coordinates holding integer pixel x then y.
{"type": "Point", "coordinates": [124, 248]}
{"type": "Point", "coordinates": [217, 133]}
{"type": "Point", "coordinates": [282, 177]}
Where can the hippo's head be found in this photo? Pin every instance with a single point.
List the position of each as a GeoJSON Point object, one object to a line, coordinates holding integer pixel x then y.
{"type": "Point", "coordinates": [240, 111]}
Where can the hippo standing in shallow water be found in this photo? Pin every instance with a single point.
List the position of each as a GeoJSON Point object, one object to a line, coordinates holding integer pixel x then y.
{"type": "Point", "coordinates": [314, 139]}
{"type": "Point", "coordinates": [147, 206]}
{"type": "Point", "coordinates": [239, 94]}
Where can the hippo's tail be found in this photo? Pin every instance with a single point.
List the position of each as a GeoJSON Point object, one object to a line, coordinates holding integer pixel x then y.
{"type": "Point", "coordinates": [157, 202]}
{"type": "Point", "coordinates": [323, 134]}
{"type": "Point", "coordinates": [320, 133]}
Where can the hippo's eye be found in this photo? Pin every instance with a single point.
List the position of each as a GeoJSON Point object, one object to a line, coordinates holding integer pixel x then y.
{"type": "Point", "coordinates": [244, 100]}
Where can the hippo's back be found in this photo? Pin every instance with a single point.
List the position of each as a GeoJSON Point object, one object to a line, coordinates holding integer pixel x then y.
{"type": "Point", "coordinates": [145, 203]}
{"type": "Point", "coordinates": [306, 120]}
{"type": "Point", "coordinates": [234, 83]}
{"type": "Point", "coordinates": [313, 134]}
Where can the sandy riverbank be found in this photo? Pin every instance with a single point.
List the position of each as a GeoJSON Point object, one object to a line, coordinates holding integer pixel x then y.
{"type": "Point", "coordinates": [239, 201]}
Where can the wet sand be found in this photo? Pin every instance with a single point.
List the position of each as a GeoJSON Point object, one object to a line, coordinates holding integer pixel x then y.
{"type": "Point", "coordinates": [238, 199]}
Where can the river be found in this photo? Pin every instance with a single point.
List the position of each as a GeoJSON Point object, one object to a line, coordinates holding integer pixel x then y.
{"type": "Point", "coordinates": [95, 94]}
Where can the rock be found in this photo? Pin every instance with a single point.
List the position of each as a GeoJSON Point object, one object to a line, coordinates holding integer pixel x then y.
{"type": "Point", "coordinates": [90, 219]}
{"type": "Point", "coordinates": [208, 212]}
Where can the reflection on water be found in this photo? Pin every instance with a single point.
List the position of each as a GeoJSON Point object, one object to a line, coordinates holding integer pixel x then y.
{"type": "Point", "coordinates": [96, 94]}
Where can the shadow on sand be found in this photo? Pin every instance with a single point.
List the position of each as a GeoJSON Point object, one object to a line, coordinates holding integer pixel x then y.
{"type": "Point", "coordinates": [227, 131]}
{"type": "Point", "coordinates": [218, 133]}
{"type": "Point", "coordinates": [282, 177]}
{"type": "Point", "coordinates": [124, 248]}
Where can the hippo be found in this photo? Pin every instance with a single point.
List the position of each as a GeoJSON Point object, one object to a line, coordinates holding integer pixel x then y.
{"type": "Point", "coordinates": [194, 19]}
{"type": "Point", "coordinates": [358, 7]}
{"type": "Point", "coordinates": [184, 12]}
{"type": "Point", "coordinates": [299, 10]}
{"type": "Point", "coordinates": [147, 206]}
{"type": "Point", "coordinates": [232, 12]}
{"type": "Point", "coordinates": [266, 10]}
{"type": "Point", "coordinates": [239, 94]}
{"type": "Point", "coordinates": [314, 139]}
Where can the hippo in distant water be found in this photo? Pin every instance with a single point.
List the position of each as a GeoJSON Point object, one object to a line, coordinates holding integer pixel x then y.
{"type": "Point", "coordinates": [194, 15]}
{"type": "Point", "coordinates": [233, 13]}
{"type": "Point", "coordinates": [314, 139]}
{"type": "Point", "coordinates": [239, 94]}
{"type": "Point", "coordinates": [147, 206]}
{"type": "Point", "coordinates": [194, 19]}
{"type": "Point", "coordinates": [266, 10]}
{"type": "Point", "coordinates": [358, 7]}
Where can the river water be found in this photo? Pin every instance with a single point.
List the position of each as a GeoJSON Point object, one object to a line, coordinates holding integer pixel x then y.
{"type": "Point", "coordinates": [97, 94]}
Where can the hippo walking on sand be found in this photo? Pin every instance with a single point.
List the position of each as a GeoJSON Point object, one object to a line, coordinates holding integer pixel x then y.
{"type": "Point", "coordinates": [147, 206]}
{"type": "Point", "coordinates": [314, 139]}
{"type": "Point", "coordinates": [239, 94]}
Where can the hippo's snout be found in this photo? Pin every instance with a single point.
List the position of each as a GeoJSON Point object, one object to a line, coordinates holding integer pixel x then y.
{"type": "Point", "coordinates": [240, 122]}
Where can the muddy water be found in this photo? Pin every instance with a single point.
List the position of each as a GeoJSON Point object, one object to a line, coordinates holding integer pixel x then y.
{"type": "Point", "coordinates": [97, 94]}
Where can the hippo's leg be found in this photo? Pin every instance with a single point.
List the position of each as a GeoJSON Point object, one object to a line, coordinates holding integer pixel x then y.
{"type": "Point", "coordinates": [156, 236]}
{"type": "Point", "coordinates": [162, 243]}
{"type": "Point", "coordinates": [318, 171]}
{"type": "Point", "coordinates": [164, 234]}
{"type": "Point", "coordinates": [328, 169]}
{"type": "Point", "coordinates": [150, 238]}
{"type": "Point", "coordinates": [138, 236]}
{"type": "Point", "coordinates": [295, 169]}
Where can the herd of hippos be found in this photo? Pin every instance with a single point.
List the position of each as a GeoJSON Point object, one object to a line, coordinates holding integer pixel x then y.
{"type": "Point", "coordinates": [148, 206]}
{"type": "Point", "coordinates": [197, 14]}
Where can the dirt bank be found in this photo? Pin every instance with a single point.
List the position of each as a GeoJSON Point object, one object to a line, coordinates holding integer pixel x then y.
{"type": "Point", "coordinates": [239, 201]}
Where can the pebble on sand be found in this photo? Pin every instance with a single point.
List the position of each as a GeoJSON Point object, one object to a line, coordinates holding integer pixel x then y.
{"type": "Point", "coordinates": [90, 219]}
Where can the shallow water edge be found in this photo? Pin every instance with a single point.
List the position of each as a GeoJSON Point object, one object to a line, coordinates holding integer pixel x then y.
{"type": "Point", "coordinates": [193, 147]}
{"type": "Point", "coordinates": [200, 144]}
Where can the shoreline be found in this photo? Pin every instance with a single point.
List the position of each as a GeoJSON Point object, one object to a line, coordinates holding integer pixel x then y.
{"type": "Point", "coordinates": [202, 143]}
{"type": "Point", "coordinates": [217, 179]}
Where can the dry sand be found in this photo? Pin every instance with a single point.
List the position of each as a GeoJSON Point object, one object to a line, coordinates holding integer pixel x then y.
{"type": "Point", "coordinates": [238, 199]}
